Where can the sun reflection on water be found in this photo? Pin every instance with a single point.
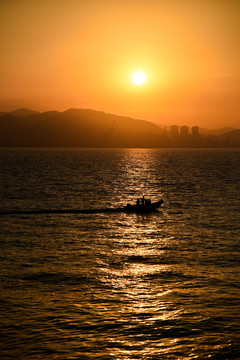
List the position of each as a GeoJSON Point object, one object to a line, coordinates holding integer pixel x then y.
{"type": "Point", "coordinates": [135, 273]}
{"type": "Point", "coordinates": [122, 286]}
{"type": "Point", "coordinates": [139, 175]}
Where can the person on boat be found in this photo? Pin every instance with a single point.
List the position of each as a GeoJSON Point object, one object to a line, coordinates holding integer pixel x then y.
{"type": "Point", "coordinates": [147, 202]}
{"type": "Point", "coordinates": [143, 200]}
{"type": "Point", "coordinates": [138, 202]}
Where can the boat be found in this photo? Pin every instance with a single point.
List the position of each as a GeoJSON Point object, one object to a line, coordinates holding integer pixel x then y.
{"type": "Point", "coordinates": [145, 208]}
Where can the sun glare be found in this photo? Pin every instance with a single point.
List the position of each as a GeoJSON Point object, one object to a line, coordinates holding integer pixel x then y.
{"type": "Point", "coordinates": [139, 78]}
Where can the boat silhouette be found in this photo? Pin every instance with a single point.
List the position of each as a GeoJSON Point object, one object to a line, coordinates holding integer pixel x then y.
{"type": "Point", "coordinates": [146, 207]}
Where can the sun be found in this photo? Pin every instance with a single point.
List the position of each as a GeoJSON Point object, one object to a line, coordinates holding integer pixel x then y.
{"type": "Point", "coordinates": [139, 78]}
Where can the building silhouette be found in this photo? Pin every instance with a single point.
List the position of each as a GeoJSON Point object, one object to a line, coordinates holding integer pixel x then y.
{"type": "Point", "coordinates": [184, 130]}
{"type": "Point", "coordinates": [195, 131]}
{"type": "Point", "coordinates": [174, 130]}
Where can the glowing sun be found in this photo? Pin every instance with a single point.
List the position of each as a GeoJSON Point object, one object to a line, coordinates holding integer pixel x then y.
{"type": "Point", "coordinates": [139, 78]}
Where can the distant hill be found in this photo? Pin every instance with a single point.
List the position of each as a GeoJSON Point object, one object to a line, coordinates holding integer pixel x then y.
{"type": "Point", "coordinates": [231, 138]}
{"type": "Point", "coordinates": [90, 128]}
{"type": "Point", "coordinates": [74, 128]}
{"type": "Point", "coordinates": [23, 112]}
{"type": "Point", "coordinates": [215, 131]}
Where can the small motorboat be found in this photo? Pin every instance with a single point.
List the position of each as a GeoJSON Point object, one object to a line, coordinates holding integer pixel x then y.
{"type": "Point", "coordinates": [144, 208]}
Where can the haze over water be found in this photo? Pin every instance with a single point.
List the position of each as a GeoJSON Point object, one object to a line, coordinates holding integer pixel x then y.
{"type": "Point", "coordinates": [120, 286]}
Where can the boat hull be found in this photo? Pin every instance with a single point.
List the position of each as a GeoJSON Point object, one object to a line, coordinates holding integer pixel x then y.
{"type": "Point", "coordinates": [143, 209]}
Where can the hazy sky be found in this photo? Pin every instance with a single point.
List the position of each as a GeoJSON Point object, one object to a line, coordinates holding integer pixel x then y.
{"type": "Point", "coordinates": [58, 54]}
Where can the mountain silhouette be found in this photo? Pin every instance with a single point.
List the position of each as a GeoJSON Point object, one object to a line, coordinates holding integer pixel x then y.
{"type": "Point", "coordinates": [23, 112]}
{"type": "Point", "coordinates": [231, 139]}
{"type": "Point", "coordinates": [90, 128]}
{"type": "Point", "coordinates": [74, 128]}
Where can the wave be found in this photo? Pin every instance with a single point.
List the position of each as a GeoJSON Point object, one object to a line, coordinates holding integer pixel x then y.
{"type": "Point", "coordinates": [56, 278]}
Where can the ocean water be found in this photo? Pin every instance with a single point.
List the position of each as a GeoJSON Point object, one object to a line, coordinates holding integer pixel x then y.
{"type": "Point", "coordinates": [123, 286]}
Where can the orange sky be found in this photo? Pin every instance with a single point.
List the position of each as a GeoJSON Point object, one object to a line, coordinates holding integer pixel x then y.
{"type": "Point", "coordinates": [58, 54]}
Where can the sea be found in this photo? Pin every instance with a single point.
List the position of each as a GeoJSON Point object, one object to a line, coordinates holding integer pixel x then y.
{"type": "Point", "coordinates": [117, 285]}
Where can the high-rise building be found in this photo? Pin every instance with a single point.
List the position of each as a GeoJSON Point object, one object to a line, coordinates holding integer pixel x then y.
{"type": "Point", "coordinates": [174, 130]}
{"type": "Point", "coordinates": [195, 131]}
{"type": "Point", "coordinates": [184, 130]}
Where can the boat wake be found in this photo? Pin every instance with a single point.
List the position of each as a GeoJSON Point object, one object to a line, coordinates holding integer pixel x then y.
{"type": "Point", "coordinates": [61, 211]}
{"type": "Point", "coordinates": [139, 208]}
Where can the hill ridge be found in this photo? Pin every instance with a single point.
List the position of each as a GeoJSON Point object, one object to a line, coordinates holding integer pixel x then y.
{"type": "Point", "coordinates": [91, 128]}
